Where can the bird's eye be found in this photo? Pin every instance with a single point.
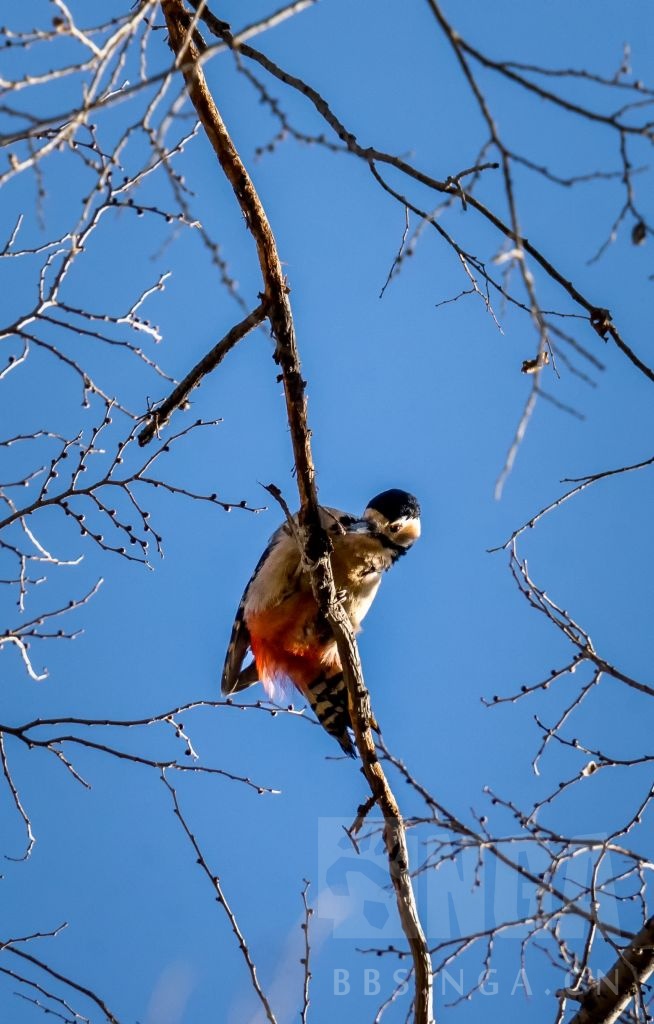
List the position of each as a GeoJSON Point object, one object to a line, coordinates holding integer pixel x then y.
{"type": "Point", "coordinates": [395, 527]}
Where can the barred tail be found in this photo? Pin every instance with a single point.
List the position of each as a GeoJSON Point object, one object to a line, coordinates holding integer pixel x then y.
{"type": "Point", "coordinates": [328, 699]}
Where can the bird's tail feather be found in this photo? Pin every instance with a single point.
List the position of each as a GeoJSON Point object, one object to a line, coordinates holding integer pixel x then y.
{"type": "Point", "coordinates": [328, 699]}
{"type": "Point", "coordinates": [248, 677]}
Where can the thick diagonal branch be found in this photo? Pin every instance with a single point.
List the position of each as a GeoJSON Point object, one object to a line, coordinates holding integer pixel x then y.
{"type": "Point", "coordinates": [178, 21]}
{"type": "Point", "coordinates": [316, 548]}
{"type": "Point", "coordinates": [160, 416]}
{"type": "Point", "coordinates": [606, 1001]}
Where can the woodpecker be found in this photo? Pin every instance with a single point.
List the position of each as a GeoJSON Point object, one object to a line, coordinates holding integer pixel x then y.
{"type": "Point", "coordinates": [278, 618]}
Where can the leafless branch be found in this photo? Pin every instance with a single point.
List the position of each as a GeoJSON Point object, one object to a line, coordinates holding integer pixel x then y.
{"type": "Point", "coordinates": [58, 976]}
{"type": "Point", "coordinates": [604, 1002]}
{"type": "Point", "coordinates": [306, 959]}
{"type": "Point", "coordinates": [316, 548]}
{"type": "Point", "coordinates": [180, 396]}
{"type": "Point", "coordinates": [222, 901]}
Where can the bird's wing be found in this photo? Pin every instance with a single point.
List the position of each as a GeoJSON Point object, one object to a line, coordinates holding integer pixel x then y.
{"type": "Point", "coordinates": [239, 640]}
{"type": "Point", "coordinates": [278, 575]}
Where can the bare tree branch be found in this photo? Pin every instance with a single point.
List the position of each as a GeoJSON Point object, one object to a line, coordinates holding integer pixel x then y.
{"type": "Point", "coordinates": [316, 549]}
{"type": "Point", "coordinates": [306, 958]}
{"type": "Point", "coordinates": [160, 416]}
{"type": "Point", "coordinates": [222, 900]}
{"type": "Point", "coordinates": [58, 976]}
{"type": "Point", "coordinates": [126, 134]}
{"type": "Point", "coordinates": [604, 1002]}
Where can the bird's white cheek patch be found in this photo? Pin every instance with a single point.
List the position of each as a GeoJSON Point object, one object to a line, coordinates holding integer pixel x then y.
{"type": "Point", "coordinates": [409, 533]}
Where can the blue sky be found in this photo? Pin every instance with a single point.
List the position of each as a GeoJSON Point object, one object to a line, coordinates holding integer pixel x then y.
{"type": "Point", "coordinates": [401, 393]}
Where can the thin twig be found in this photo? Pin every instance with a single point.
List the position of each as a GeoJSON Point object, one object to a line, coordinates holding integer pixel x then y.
{"type": "Point", "coordinates": [222, 901]}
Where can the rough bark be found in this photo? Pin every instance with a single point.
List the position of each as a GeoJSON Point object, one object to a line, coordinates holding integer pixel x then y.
{"type": "Point", "coordinates": [605, 1001]}
{"type": "Point", "coordinates": [185, 42]}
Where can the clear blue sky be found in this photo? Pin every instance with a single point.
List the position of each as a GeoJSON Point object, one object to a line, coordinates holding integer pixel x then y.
{"type": "Point", "coordinates": [401, 393]}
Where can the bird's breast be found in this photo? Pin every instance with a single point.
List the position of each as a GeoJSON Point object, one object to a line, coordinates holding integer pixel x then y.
{"type": "Point", "coordinates": [359, 597]}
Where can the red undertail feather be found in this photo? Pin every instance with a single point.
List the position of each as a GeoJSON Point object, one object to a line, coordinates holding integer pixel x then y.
{"type": "Point", "coordinates": [285, 646]}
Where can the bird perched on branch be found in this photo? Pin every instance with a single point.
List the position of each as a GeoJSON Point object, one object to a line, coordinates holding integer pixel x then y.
{"type": "Point", "coordinates": [279, 620]}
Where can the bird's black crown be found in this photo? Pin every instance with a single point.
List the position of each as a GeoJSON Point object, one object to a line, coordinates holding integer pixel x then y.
{"type": "Point", "coordinates": [394, 504]}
